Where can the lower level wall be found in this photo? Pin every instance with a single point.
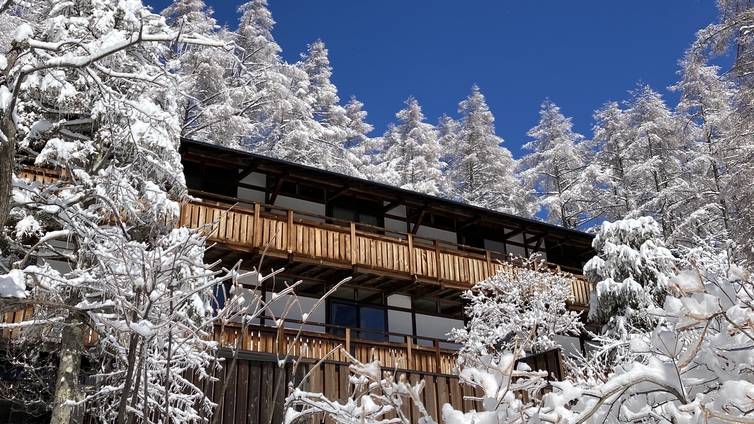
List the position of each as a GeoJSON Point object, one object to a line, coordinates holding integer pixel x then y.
{"type": "Point", "coordinates": [256, 391]}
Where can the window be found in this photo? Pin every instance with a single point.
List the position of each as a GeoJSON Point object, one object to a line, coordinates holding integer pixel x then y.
{"type": "Point", "coordinates": [355, 316]}
{"type": "Point", "coordinates": [347, 209]}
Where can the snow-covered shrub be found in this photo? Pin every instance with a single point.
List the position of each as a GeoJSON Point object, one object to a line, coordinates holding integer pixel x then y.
{"type": "Point", "coordinates": [525, 304]}
{"type": "Point", "coordinates": [697, 365]}
{"type": "Point", "coordinates": [375, 395]}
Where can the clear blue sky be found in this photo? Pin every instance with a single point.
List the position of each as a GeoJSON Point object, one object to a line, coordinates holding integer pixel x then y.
{"type": "Point", "coordinates": [580, 53]}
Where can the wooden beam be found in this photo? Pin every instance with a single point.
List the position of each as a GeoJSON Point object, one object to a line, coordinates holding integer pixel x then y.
{"type": "Point", "coordinates": [276, 191]}
{"type": "Point", "coordinates": [245, 173]}
{"type": "Point", "coordinates": [390, 206]}
{"type": "Point", "coordinates": [418, 221]}
{"type": "Point", "coordinates": [514, 233]}
{"type": "Point", "coordinates": [339, 193]}
{"type": "Point", "coordinates": [539, 243]}
{"type": "Point", "coordinates": [469, 223]}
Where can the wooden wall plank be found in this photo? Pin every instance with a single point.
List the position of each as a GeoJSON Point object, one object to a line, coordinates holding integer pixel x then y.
{"type": "Point", "coordinates": [266, 391]}
{"type": "Point", "coordinates": [242, 392]}
{"type": "Point", "coordinates": [229, 401]}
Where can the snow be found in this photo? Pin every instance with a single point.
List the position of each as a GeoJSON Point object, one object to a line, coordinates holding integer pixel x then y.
{"type": "Point", "coordinates": [23, 33]}
{"type": "Point", "coordinates": [12, 284]}
{"type": "Point", "coordinates": [688, 281]}
{"type": "Point", "coordinates": [28, 226]}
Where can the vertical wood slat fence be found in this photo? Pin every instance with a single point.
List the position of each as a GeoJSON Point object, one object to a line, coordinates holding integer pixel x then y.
{"type": "Point", "coordinates": [284, 232]}
{"type": "Point", "coordinates": [253, 386]}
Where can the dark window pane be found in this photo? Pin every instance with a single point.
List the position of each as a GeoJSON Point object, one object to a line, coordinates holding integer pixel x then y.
{"type": "Point", "coordinates": [422, 305]}
{"type": "Point", "coordinates": [344, 214]}
{"type": "Point", "coordinates": [344, 315]}
{"type": "Point", "coordinates": [372, 319]}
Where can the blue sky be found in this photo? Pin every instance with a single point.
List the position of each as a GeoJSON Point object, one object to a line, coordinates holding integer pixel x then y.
{"type": "Point", "coordinates": [579, 53]}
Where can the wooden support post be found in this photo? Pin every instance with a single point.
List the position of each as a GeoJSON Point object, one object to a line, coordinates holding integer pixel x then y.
{"type": "Point", "coordinates": [411, 257]}
{"type": "Point", "coordinates": [291, 233]}
{"type": "Point", "coordinates": [353, 244]}
{"type": "Point", "coordinates": [256, 232]}
{"type": "Point", "coordinates": [437, 260]}
{"type": "Point", "coordinates": [438, 357]}
{"type": "Point", "coordinates": [488, 258]}
{"type": "Point", "coordinates": [348, 340]}
{"type": "Point", "coordinates": [409, 355]}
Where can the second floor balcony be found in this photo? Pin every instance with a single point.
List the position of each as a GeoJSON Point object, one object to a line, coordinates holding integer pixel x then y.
{"type": "Point", "coordinates": [302, 237]}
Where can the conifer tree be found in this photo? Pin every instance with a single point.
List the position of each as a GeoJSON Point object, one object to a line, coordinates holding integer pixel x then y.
{"type": "Point", "coordinates": [482, 171]}
{"type": "Point", "coordinates": [357, 142]}
{"type": "Point", "coordinates": [210, 104]}
{"type": "Point", "coordinates": [554, 168]}
{"type": "Point", "coordinates": [630, 275]}
{"type": "Point", "coordinates": [410, 152]}
{"type": "Point", "coordinates": [707, 104]}
{"type": "Point", "coordinates": [331, 124]}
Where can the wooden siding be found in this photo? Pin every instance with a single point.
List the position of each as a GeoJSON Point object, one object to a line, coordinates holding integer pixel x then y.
{"type": "Point", "coordinates": [307, 237]}
{"type": "Point", "coordinates": [254, 384]}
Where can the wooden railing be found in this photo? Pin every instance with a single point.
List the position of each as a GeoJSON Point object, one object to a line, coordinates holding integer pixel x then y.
{"type": "Point", "coordinates": [411, 354]}
{"type": "Point", "coordinates": [329, 241]}
{"type": "Point", "coordinates": [338, 243]}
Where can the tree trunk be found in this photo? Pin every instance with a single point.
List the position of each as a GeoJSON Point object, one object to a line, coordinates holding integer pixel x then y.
{"type": "Point", "coordinates": [6, 170]}
{"type": "Point", "coordinates": [8, 129]}
{"type": "Point", "coordinates": [67, 388]}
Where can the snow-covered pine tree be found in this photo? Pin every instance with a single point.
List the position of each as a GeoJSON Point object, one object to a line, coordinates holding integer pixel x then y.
{"type": "Point", "coordinates": [410, 152]}
{"type": "Point", "coordinates": [447, 131]}
{"type": "Point", "coordinates": [211, 100]}
{"type": "Point", "coordinates": [636, 166]}
{"type": "Point", "coordinates": [482, 171]}
{"type": "Point", "coordinates": [553, 169]}
{"type": "Point", "coordinates": [653, 153]}
{"type": "Point", "coordinates": [86, 93]}
{"type": "Point", "coordinates": [263, 83]}
{"type": "Point", "coordinates": [731, 36]}
{"type": "Point", "coordinates": [630, 275]}
{"type": "Point", "coordinates": [357, 142]}
{"type": "Point", "coordinates": [329, 152]}
{"type": "Point", "coordinates": [708, 108]}
{"type": "Point", "coordinates": [606, 175]}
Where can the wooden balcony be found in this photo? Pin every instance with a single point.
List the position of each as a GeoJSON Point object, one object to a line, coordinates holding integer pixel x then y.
{"type": "Point", "coordinates": [393, 350]}
{"type": "Point", "coordinates": [304, 237]}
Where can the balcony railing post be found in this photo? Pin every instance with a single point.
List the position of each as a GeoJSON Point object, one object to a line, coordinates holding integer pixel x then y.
{"type": "Point", "coordinates": [438, 356]}
{"type": "Point", "coordinates": [411, 257]}
{"type": "Point", "coordinates": [409, 355]}
{"type": "Point", "coordinates": [488, 259]}
{"type": "Point", "coordinates": [291, 233]}
{"type": "Point", "coordinates": [348, 340]}
{"type": "Point", "coordinates": [256, 232]}
{"type": "Point", "coordinates": [353, 243]}
{"type": "Point", "coordinates": [437, 260]}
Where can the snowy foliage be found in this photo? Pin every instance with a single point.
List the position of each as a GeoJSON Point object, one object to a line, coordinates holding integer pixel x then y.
{"type": "Point", "coordinates": [520, 303]}
{"type": "Point", "coordinates": [698, 361]}
{"type": "Point", "coordinates": [375, 395]}
{"type": "Point", "coordinates": [97, 248]}
{"type": "Point", "coordinates": [630, 275]}
{"type": "Point", "coordinates": [554, 168]}
{"type": "Point", "coordinates": [410, 153]}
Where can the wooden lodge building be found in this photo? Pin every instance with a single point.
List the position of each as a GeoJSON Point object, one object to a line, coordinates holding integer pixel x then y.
{"type": "Point", "coordinates": [409, 256]}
